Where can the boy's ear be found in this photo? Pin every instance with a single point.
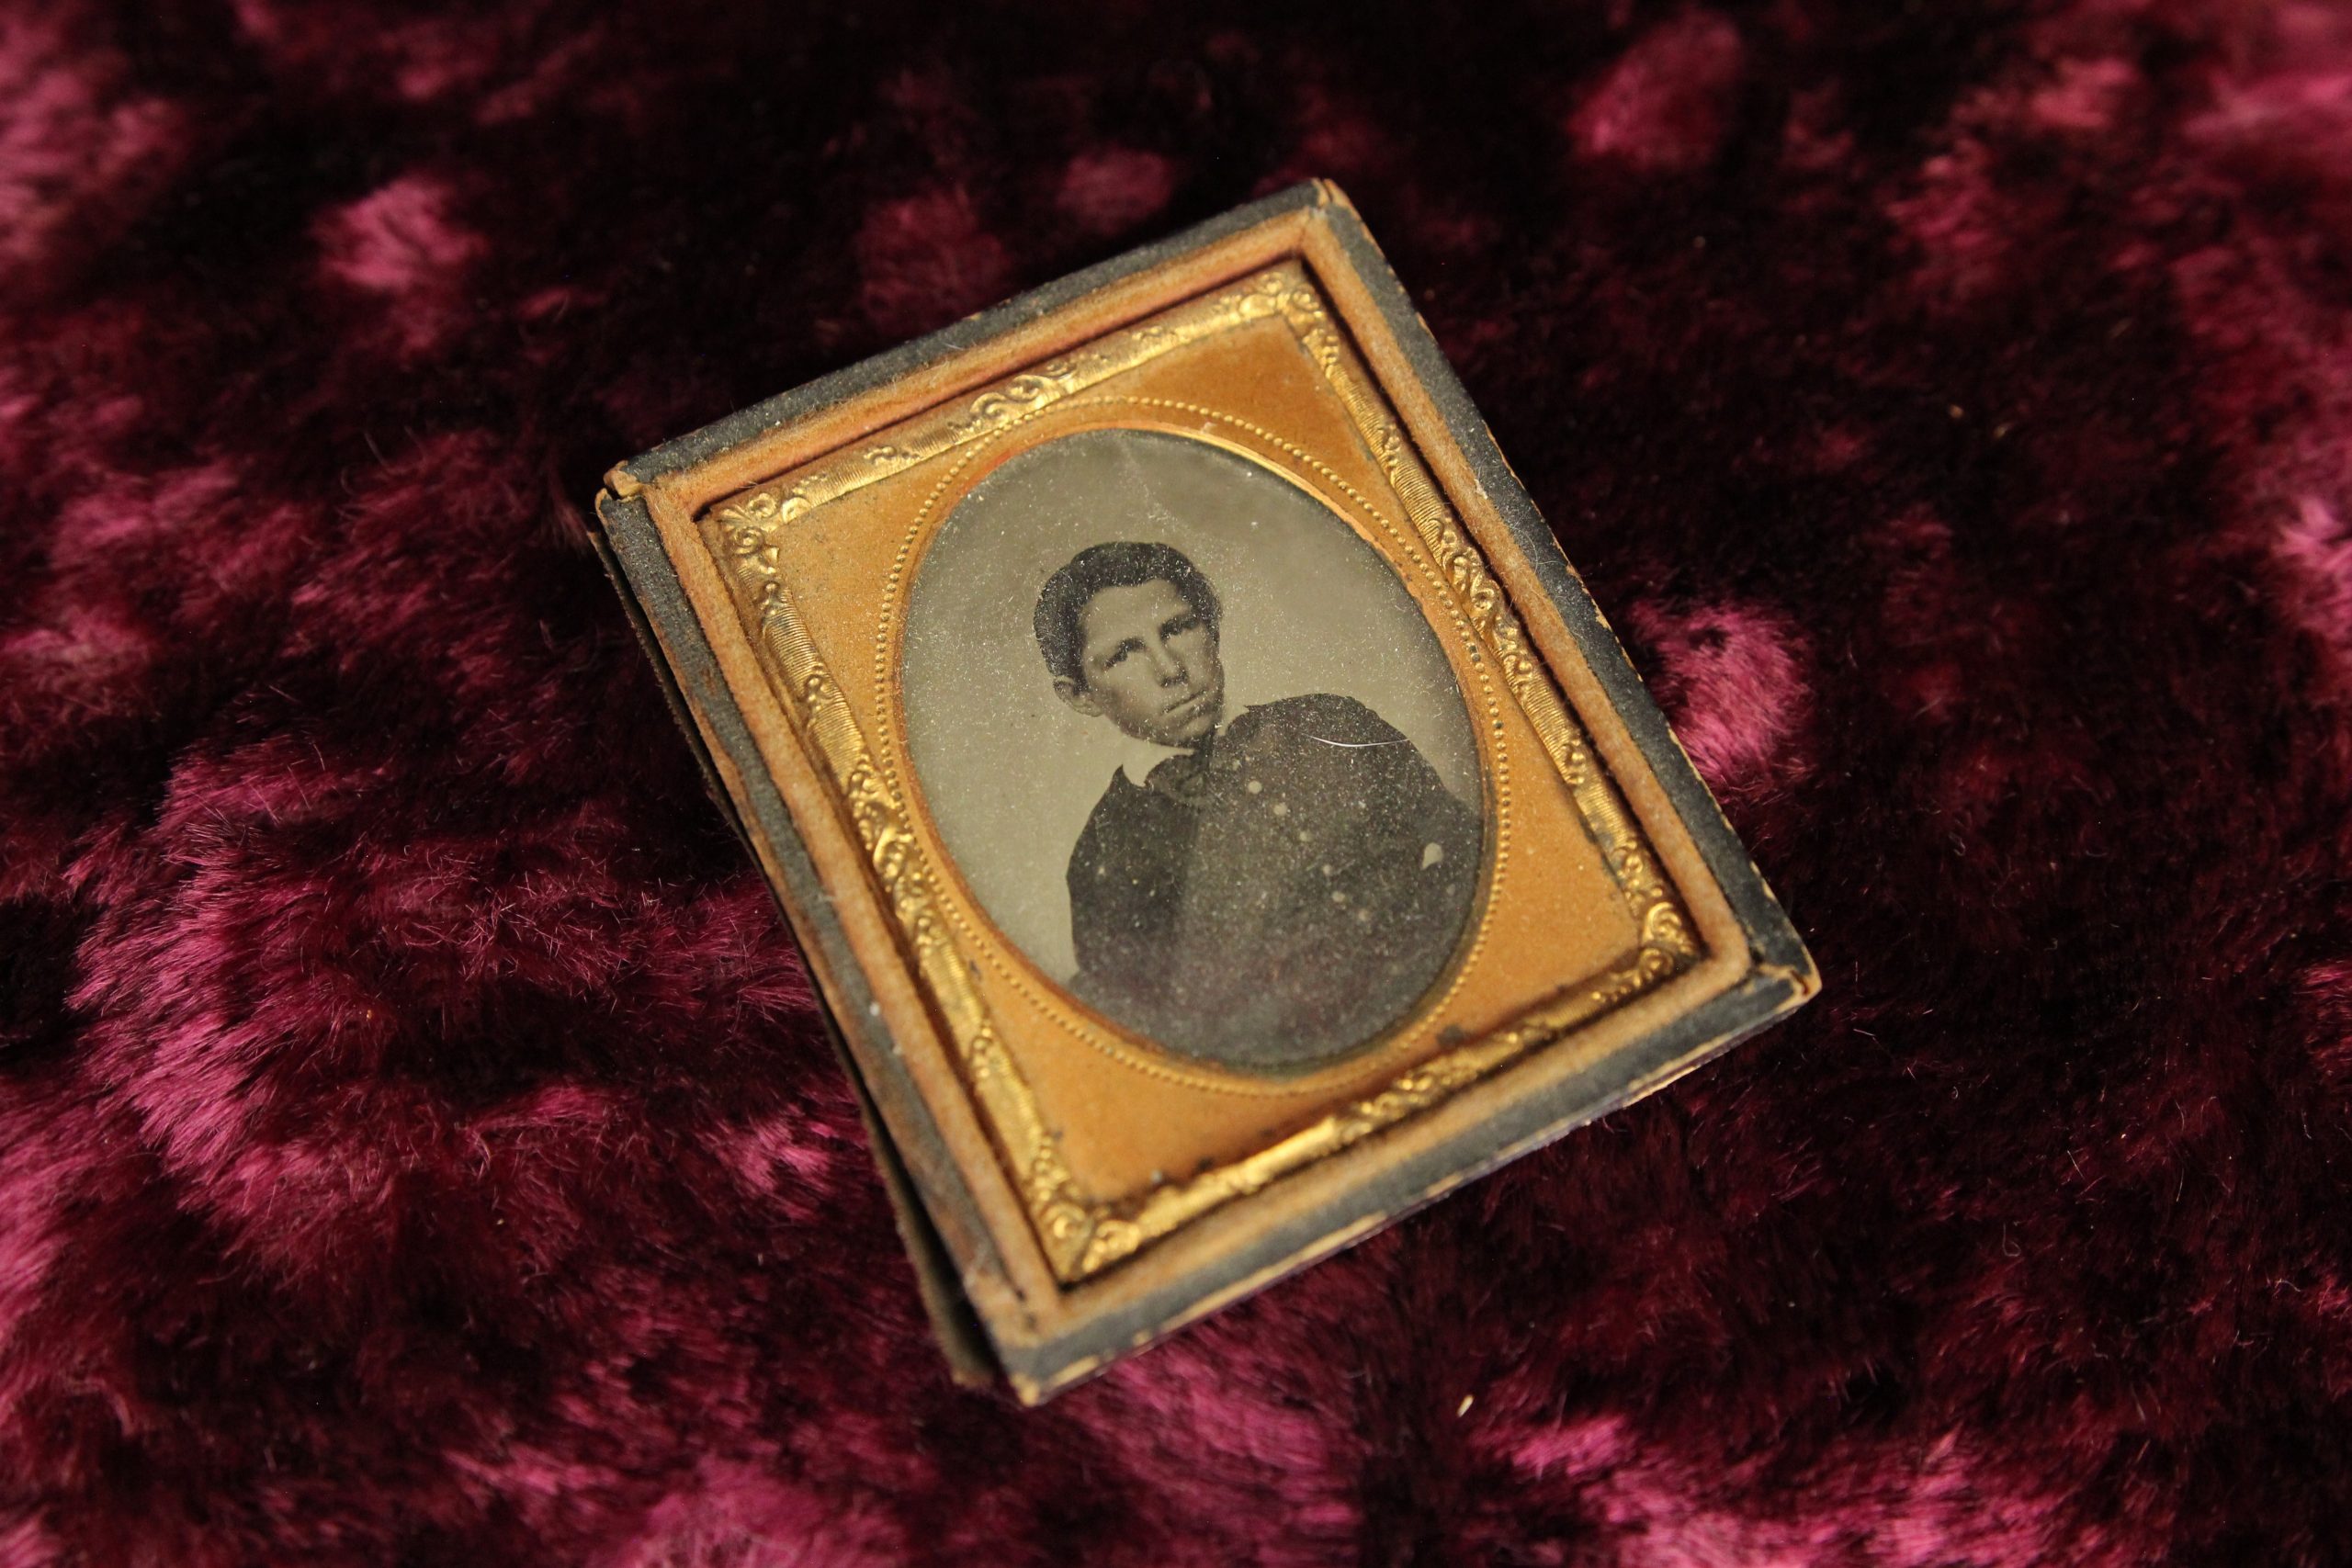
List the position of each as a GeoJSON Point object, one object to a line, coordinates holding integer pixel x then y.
{"type": "Point", "coordinates": [1077, 696]}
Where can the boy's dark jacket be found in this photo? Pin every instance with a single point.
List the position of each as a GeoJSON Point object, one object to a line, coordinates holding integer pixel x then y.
{"type": "Point", "coordinates": [1277, 895]}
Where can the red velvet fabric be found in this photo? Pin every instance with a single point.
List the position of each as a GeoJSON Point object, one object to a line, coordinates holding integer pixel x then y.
{"type": "Point", "coordinates": [416, 1144]}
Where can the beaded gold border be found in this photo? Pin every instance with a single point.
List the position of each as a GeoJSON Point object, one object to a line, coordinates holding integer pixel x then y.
{"type": "Point", "coordinates": [1081, 1235]}
{"type": "Point", "coordinates": [899, 773]}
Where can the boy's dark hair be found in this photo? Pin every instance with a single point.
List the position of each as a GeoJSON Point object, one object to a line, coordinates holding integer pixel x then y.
{"type": "Point", "coordinates": [1062, 603]}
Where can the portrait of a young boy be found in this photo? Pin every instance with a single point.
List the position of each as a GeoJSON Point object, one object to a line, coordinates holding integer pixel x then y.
{"type": "Point", "coordinates": [1264, 888]}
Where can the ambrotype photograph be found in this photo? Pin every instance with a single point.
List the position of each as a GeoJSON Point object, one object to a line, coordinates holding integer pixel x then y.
{"type": "Point", "coordinates": [1194, 747]}
{"type": "Point", "coordinates": [1214, 816]}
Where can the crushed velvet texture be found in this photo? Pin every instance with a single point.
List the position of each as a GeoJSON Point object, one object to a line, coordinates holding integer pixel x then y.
{"type": "Point", "coordinates": [416, 1141]}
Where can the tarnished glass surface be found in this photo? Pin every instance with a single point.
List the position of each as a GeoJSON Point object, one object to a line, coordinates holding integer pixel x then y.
{"type": "Point", "coordinates": [1193, 747]}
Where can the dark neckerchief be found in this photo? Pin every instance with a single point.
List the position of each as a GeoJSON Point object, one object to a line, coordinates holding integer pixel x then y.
{"type": "Point", "coordinates": [1185, 777]}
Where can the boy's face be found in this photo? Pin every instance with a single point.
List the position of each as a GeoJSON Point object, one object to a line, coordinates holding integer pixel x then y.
{"type": "Point", "coordinates": [1149, 665]}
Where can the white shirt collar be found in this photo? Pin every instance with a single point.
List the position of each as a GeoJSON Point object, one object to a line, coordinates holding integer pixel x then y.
{"type": "Point", "coordinates": [1139, 757]}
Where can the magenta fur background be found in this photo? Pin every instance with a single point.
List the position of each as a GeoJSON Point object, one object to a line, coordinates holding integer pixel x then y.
{"type": "Point", "coordinates": [417, 1144]}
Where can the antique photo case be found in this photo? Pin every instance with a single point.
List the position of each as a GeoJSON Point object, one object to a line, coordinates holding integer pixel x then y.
{"type": "Point", "coordinates": [1216, 817]}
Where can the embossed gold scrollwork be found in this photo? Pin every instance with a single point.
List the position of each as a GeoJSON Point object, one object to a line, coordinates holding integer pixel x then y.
{"type": "Point", "coordinates": [1064, 1219]}
{"type": "Point", "coordinates": [1666, 945]}
{"type": "Point", "coordinates": [1082, 1237]}
{"type": "Point", "coordinates": [1020, 396]}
